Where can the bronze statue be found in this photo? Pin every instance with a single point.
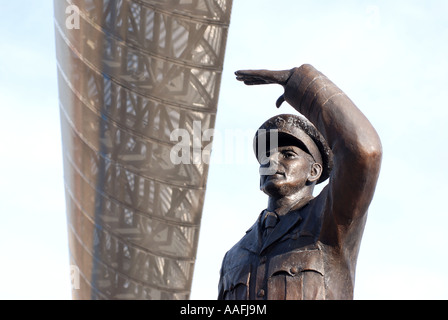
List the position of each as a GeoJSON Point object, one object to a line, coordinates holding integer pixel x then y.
{"type": "Point", "coordinates": [303, 247]}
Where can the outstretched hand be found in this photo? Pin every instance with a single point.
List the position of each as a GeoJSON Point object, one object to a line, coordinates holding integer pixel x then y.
{"type": "Point", "coordinates": [256, 77]}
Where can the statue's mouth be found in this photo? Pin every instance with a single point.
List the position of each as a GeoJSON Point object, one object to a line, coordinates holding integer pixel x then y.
{"type": "Point", "coordinates": [276, 175]}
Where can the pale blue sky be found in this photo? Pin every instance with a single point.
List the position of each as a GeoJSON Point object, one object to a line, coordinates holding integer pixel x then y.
{"type": "Point", "coordinates": [390, 57]}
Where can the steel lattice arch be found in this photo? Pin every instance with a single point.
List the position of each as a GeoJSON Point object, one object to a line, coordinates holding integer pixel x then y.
{"type": "Point", "coordinates": [129, 74]}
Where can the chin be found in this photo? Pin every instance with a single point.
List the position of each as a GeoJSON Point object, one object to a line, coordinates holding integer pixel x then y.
{"type": "Point", "coordinates": [276, 190]}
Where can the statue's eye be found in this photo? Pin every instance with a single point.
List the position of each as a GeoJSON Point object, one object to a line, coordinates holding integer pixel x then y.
{"type": "Point", "coordinates": [287, 154]}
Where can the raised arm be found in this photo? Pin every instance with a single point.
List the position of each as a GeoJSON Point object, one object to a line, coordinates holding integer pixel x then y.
{"type": "Point", "coordinates": [354, 142]}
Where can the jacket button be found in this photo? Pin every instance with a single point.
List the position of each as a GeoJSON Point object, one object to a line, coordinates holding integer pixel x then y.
{"type": "Point", "coordinates": [294, 270]}
{"type": "Point", "coordinates": [261, 293]}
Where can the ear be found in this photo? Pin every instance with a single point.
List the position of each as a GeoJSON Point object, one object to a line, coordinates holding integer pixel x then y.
{"type": "Point", "coordinates": [315, 172]}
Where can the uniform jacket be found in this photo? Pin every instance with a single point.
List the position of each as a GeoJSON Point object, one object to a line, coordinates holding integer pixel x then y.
{"type": "Point", "coordinates": [293, 262]}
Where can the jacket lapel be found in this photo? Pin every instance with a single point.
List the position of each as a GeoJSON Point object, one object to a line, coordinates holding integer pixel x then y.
{"type": "Point", "coordinates": [252, 240]}
{"type": "Point", "coordinates": [285, 224]}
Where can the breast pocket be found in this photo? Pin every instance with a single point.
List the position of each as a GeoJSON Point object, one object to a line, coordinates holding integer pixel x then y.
{"type": "Point", "coordinates": [297, 275]}
{"type": "Point", "coordinates": [236, 283]}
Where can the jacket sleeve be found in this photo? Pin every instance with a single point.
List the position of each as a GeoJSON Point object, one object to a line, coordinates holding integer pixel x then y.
{"type": "Point", "coordinates": [354, 142]}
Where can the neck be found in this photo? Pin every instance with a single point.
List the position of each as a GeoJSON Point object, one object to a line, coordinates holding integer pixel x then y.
{"type": "Point", "coordinates": [285, 204]}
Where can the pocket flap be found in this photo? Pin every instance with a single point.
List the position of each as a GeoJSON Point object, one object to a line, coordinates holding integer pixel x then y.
{"type": "Point", "coordinates": [237, 275]}
{"type": "Point", "coordinates": [297, 261]}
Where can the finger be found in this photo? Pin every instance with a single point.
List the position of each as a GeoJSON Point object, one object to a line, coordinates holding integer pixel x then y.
{"type": "Point", "coordinates": [244, 78]}
{"type": "Point", "coordinates": [249, 72]}
{"type": "Point", "coordinates": [264, 74]}
{"type": "Point", "coordinates": [255, 82]}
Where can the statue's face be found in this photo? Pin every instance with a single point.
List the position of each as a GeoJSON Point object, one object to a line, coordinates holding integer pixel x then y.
{"type": "Point", "coordinates": [293, 169]}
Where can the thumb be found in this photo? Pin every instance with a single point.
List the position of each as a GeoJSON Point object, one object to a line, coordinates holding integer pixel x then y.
{"type": "Point", "coordinates": [280, 100]}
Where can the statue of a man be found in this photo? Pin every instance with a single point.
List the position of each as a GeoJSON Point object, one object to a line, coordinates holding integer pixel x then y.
{"type": "Point", "coordinates": [305, 247]}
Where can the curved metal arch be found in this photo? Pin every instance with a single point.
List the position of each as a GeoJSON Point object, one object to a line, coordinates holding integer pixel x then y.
{"type": "Point", "coordinates": [130, 73]}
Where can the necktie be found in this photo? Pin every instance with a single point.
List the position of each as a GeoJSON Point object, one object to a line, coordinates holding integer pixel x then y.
{"type": "Point", "coordinates": [270, 221]}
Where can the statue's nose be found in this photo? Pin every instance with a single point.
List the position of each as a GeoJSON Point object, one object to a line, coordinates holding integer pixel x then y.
{"type": "Point", "coordinates": [269, 165]}
{"type": "Point", "coordinates": [273, 158]}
